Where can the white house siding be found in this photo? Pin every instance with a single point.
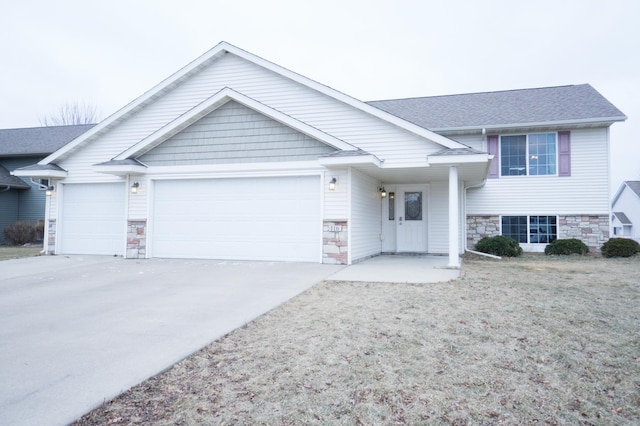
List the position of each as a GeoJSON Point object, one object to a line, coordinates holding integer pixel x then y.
{"type": "Point", "coordinates": [336, 202]}
{"type": "Point", "coordinates": [235, 133]}
{"type": "Point", "coordinates": [547, 195]}
{"type": "Point", "coordinates": [629, 204]}
{"type": "Point", "coordinates": [366, 216]}
{"type": "Point", "coordinates": [388, 142]}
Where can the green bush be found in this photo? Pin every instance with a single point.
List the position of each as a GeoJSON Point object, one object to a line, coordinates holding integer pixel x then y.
{"type": "Point", "coordinates": [566, 247]}
{"type": "Point", "coordinates": [499, 246]}
{"type": "Point", "coordinates": [620, 247]}
{"type": "Point", "coordinates": [19, 233]}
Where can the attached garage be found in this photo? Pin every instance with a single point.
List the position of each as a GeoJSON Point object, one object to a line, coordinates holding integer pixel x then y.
{"type": "Point", "coordinates": [266, 218]}
{"type": "Point", "coordinates": [93, 219]}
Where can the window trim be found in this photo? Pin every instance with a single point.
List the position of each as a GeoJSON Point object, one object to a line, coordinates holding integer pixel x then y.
{"type": "Point", "coordinates": [527, 155]}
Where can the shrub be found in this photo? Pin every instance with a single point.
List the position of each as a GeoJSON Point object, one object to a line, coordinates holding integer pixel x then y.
{"type": "Point", "coordinates": [568, 246]}
{"type": "Point", "coordinates": [620, 247]}
{"type": "Point", "coordinates": [19, 233]}
{"type": "Point", "coordinates": [499, 246]}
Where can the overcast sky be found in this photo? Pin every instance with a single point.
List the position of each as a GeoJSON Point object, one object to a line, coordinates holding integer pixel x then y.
{"type": "Point", "coordinates": [107, 53]}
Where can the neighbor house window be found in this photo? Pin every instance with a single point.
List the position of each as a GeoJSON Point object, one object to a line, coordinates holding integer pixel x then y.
{"type": "Point", "coordinates": [530, 229]}
{"type": "Point", "coordinates": [533, 154]}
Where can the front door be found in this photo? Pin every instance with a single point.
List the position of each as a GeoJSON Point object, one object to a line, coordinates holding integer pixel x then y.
{"type": "Point", "coordinates": [411, 225]}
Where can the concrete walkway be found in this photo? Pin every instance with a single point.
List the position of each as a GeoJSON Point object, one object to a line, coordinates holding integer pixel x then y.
{"type": "Point", "coordinates": [79, 330]}
{"type": "Point", "coordinates": [399, 269]}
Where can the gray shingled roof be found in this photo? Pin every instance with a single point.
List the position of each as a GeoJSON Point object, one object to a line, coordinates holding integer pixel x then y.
{"type": "Point", "coordinates": [633, 185]}
{"type": "Point", "coordinates": [8, 180]}
{"type": "Point", "coordinates": [38, 140]}
{"type": "Point", "coordinates": [527, 106]}
{"type": "Point", "coordinates": [622, 218]}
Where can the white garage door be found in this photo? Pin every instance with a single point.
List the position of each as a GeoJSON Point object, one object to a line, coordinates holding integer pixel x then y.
{"type": "Point", "coordinates": [93, 219]}
{"type": "Point", "coordinates": [275, 218]}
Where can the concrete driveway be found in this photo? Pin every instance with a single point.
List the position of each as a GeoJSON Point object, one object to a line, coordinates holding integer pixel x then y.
{"type": "Point", "coordinates": [78, 330]}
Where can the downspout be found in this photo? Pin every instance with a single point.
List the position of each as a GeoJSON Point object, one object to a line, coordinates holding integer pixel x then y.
{"type": "Point", "coordinates": [477, 185]}
{"type": "Point", "coordinates": [6, 189]}
{"type": "Point", "coordinates": [467, 249]}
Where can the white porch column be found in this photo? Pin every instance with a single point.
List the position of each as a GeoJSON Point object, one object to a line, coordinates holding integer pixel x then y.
{"type": "Point", "coordinates": [454, 218]}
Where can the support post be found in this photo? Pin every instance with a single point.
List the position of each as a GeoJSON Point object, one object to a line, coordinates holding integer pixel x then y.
{"type": "Point", "coordinates": [454, 219]}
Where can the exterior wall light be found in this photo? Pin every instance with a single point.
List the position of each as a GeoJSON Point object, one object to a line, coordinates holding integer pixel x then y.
{"type": "Point", "coordinates": [332, 184]}
{"type": "Point", "coordinates": [134, 187]}
{"type": "Point", "coordinates": [383, 192]}
{"type": "Point", "coordinates": [49, 190]}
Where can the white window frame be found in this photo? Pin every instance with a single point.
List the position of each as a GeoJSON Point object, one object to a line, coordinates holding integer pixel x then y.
{"type": "Point", "coordinates": [527, 155]}
{"type": "Point", "coordinates": [528, 216]}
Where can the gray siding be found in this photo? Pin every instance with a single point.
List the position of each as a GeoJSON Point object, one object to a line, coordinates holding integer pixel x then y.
{"type": "Point", "coordinates": [235, 134]}
{"type": "Point", "coordinates": [8, 210]}
{"type": "Point", "coordinates": [20, 204]}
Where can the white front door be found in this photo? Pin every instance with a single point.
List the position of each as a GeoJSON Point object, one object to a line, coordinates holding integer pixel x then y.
{"type": "Point", "coordinates": [411, 224]}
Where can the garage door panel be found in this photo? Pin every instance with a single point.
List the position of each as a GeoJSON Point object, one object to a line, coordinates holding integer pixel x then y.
{"type": "Point", "coordinates": [93, 219]}
{"type": "Point", "coordinates": [251, 219]}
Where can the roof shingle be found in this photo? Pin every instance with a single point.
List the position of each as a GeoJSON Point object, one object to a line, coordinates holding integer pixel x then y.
{"type": "Point", "coordinates": [38, 140]}
{"type": "Point", "coordinates": [526, 106]}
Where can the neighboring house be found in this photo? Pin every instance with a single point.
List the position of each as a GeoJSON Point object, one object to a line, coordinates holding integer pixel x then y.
{"type": "Point", "coordinates": [235, 157]}
{"type": "Point", "coordinates": [22, 199]}
{"type": "Point", "coordinates": [625, 209]}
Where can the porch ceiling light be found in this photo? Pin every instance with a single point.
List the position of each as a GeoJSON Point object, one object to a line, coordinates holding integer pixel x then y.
{"type": "Point", "coordinates": [332, 184]}
{"type": "Point", "coordinates": [49, 190]}
{"type": "Point", "coordinates": [383, 192]}
{"type": "Point", "coordinates": [134, 187]}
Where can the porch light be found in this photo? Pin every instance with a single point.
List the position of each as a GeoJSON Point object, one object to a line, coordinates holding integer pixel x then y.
{"type": "Point", "coordinates": [134, 187]}
{"type": "Point", "coordinates": [383, 192]}
{"type": "Point", "coordinates": [49, 190]}
{"type": "Point", "coordinates": [332, 184]}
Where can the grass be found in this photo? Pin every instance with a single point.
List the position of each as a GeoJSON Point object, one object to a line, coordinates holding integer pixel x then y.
{"type": "Point", "coordinates": [548, 340]}
{"type": "Point", "coordinates": [16, 252]}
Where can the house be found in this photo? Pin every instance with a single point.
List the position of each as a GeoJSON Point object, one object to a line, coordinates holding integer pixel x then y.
{"type": "Point", "coordinates": [22, 199]}
{"type": "Point", "coordinates": [625, 209]}
{"type": "Point", "coordinates": [235, 157]}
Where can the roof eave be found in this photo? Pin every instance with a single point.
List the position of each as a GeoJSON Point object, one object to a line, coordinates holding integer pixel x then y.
{"type": "Point", "coordinates": [453, 160]}
{"type": "Point", "coordinates": [605, 121]}
{"type": "Point", "coordinates": [350, 160]}
{"type": "Point", "coordinates": [41, 173]}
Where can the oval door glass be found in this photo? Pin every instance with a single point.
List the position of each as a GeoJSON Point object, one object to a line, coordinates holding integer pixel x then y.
{"type": "Point", "coordinates": [413, 205]}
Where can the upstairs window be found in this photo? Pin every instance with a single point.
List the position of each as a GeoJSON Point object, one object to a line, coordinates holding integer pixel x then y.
{"type": "Point", "coordinates": [534, 154]}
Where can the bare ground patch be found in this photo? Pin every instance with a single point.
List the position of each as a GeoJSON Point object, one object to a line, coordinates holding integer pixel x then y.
{"type": "Point", "coordinates": [16, 252]}
{"type": "Point", "coordinates": [549, 340]}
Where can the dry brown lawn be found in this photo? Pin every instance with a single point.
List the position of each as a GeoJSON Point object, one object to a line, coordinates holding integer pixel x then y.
{"type": "Point", "coordinates": [16, 252]}
{"type": "Point", "coordinates": [546, 340]}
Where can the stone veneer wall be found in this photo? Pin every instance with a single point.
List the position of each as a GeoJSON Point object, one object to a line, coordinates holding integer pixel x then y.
{"type": "Point", "coordinates": [334, 242]}
{"type": "Point", "coordinates": [51, 237]}
{"type": "Point", "coordinates": [479, 227]}
{"type": "Point", "coordinates": [136, 239]}
{"type": "Point", "coordinates": [592, 230]}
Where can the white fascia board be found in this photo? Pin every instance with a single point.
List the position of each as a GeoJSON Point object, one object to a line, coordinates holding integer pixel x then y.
{"type": "Point", "coordinates": [619, 192]}
{"type": "Point", "coordinates": [120, 170]}
{"type": "Point", "coordinates": [138, 103]}
{"type": "Point", "coordinates": [40, 173]}
{"type": "Point", "coordinates": [348, 160]}
{"type": "Point", "coordinates": [605, 121]}
{"type": "Point", "coordinates": [211, 104]}
{"type": "Point", "coordinates": [459, 159]}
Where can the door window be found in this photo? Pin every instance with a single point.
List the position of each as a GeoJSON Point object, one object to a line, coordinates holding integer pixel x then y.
{"type": "Point", "coordinates": [413, 205]}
